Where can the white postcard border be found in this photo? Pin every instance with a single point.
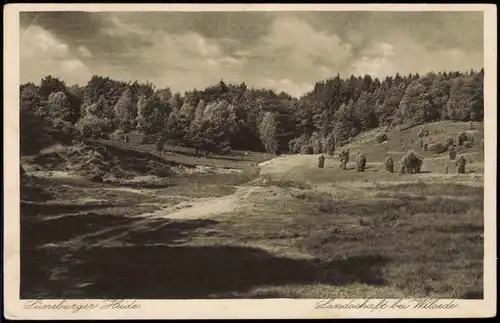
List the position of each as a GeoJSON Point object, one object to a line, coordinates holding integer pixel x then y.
{"type": "Point", "coordinates": [14, 308]}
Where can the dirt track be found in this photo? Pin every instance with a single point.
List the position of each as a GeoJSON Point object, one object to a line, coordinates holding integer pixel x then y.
{"type": "Point", "coordinates": [186, 210]}
{"type": "Point", "coordinates": [286, 163]}
{"type": "Point", "coordinates": [204, 208]}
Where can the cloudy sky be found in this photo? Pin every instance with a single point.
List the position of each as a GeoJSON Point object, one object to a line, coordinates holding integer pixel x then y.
{"type": "Point", "coordinates": [287, 51]}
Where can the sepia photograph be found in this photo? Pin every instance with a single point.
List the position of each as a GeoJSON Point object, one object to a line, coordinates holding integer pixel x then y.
{"type": "Point", "coordinates": [232, 154]}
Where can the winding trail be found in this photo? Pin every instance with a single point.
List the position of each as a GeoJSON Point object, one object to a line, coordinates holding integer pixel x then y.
{"type": "Point", "coordinates": [183, 211]}
{"type": "Point", "coordinates": [204, 208]}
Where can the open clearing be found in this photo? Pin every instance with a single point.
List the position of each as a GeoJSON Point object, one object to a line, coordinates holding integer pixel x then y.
{"type": "Point", "coordinates": [287, 229]}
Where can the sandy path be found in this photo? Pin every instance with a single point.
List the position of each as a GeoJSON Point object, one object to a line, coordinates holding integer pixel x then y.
{"type": "Point", "coordinates": [206, 207]}
{"type": "Point", "coordinates": [287, 163]}
{"type": "Point", "coordinates": [187, 210]}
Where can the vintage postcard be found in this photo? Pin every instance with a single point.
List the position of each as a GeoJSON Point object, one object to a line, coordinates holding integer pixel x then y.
{"type": "Point", "coordinates": [171, 161]}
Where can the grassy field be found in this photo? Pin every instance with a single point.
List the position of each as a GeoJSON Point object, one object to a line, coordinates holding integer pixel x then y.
{"type": "Point", "coordinates": [285, 229]}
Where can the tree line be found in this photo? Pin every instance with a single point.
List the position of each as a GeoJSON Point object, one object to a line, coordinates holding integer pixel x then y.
{"type": "Point", "coordinates": [233, 116]}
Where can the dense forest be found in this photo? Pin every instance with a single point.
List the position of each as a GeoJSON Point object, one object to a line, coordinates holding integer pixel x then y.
{"type": "Point", "coordinates": [233, 116]}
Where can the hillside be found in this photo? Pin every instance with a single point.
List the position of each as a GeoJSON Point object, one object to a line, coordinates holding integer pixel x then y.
{"type": "Point", "coordinates": [408, 139]}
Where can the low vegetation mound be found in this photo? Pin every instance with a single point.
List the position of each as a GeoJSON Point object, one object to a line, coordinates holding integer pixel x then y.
{"type": "Point", "coordinates": [389, 164]}
{"type": "Point", "coordinates": [344, 158]}
{"type": "Point", "coordinates": [437, 147]}
{"type": "Point", "coordinates": [411, 163]}
{"type": "Point", "coordinates": [101, 162]}
{"type": "Point", "coordinates": [381, 137]}
{"type": "Point", "coordinates": [360, 162]}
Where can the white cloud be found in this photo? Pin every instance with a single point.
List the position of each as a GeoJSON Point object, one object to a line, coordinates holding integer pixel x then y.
{"type": "Point", "coordinates": [188, 60]}
{"type": "Point", "coordinates": [376, 59]}
{"type": "Point", "coordinates": [296, 42]}
{"type": "Point", "coordinates": [84, 52]}
{"type": "Point", "coordinates": [75, 66]}
{"type": "Point", "coordinates": [38, 42]}
{"type": "Point", "coordinates": [404, 55]}
{"type": "Point", "coordinates": [287, 86]}
{"type": "Point", "coordinates": [119, 28]}
{"type": "Point", "coordinates": [291, 56]}
{"type": "Point", "coordinates": [43, 54]}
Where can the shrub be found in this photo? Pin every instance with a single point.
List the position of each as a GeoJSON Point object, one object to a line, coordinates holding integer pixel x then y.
{"type": "Point", "coordinates": [423, 132]}
{"type": "Point", "coordinates": [461, 138]}
{"type": "Point", "coordinates": [389, 164]}
{"type": "Point", "coordinates": [411, 162]}
{"type": "Point", "coordinates": [92, 127]}
{"type": "Point", "coordinates": [360, 163]}
{"type": "Point", "coordinates": [450, 141]}
{"type": "Point", "coordinates": [470, 137]}
{"type": "Point", "coordinates": [321, 161]}
{"type": "Point", "coordinates": [344, 158]}
{"type": "Point", "coordinates": [426, 146]}
{"type": "Point", "coordinates": [452, 152]}
{"type": "Point", "coordinates": [316, 142]}
{"type": "Point", "coordinates": [438, 147]}
{"type": "Point", "coordinates": [460, 163]}
{"type": "Point", "coordinates": [306, 150]}
{"type": "Point", "coordinates": [62, 130]}
{"type": "Point", "coordinates": [381, 137]}
{"type": "Point", "coordinates": [421, 142]}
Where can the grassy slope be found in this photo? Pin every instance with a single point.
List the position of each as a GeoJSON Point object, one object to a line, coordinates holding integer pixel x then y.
{"type": "Point", "coordinates": [313, 233]}
{"type": "Point", "coordinates": [375, 152]}
{"type": "Point", "coordinates": [374, 234]}
{"type": "Point", "coordinates": [233, 159]}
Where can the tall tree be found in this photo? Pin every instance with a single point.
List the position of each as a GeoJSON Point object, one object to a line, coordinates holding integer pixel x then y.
{"type": "Point", "coordinates": [124, 111]}
{"type": "Point", "coordinates": [147, 117]}
{"type": "Point", "coordinates": [50, 85]}
{"type": "Point", "coordinates": [269, 132]}
{"type": "Point", "coordinates": [460, 103]}
{"type": "Point", "coordinates": [416, 105]}
{"type": "Point", "coordinates": [365, 110]}
{"type": "Point", "coordinates": [346, 123]}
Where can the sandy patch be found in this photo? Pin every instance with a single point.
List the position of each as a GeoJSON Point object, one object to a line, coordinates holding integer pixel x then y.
{"type": "Point", "coordinates": [53, 174]}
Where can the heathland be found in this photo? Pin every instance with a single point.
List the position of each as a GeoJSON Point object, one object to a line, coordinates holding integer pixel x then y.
{"type": "Point", "coordinates": [359, 188]}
